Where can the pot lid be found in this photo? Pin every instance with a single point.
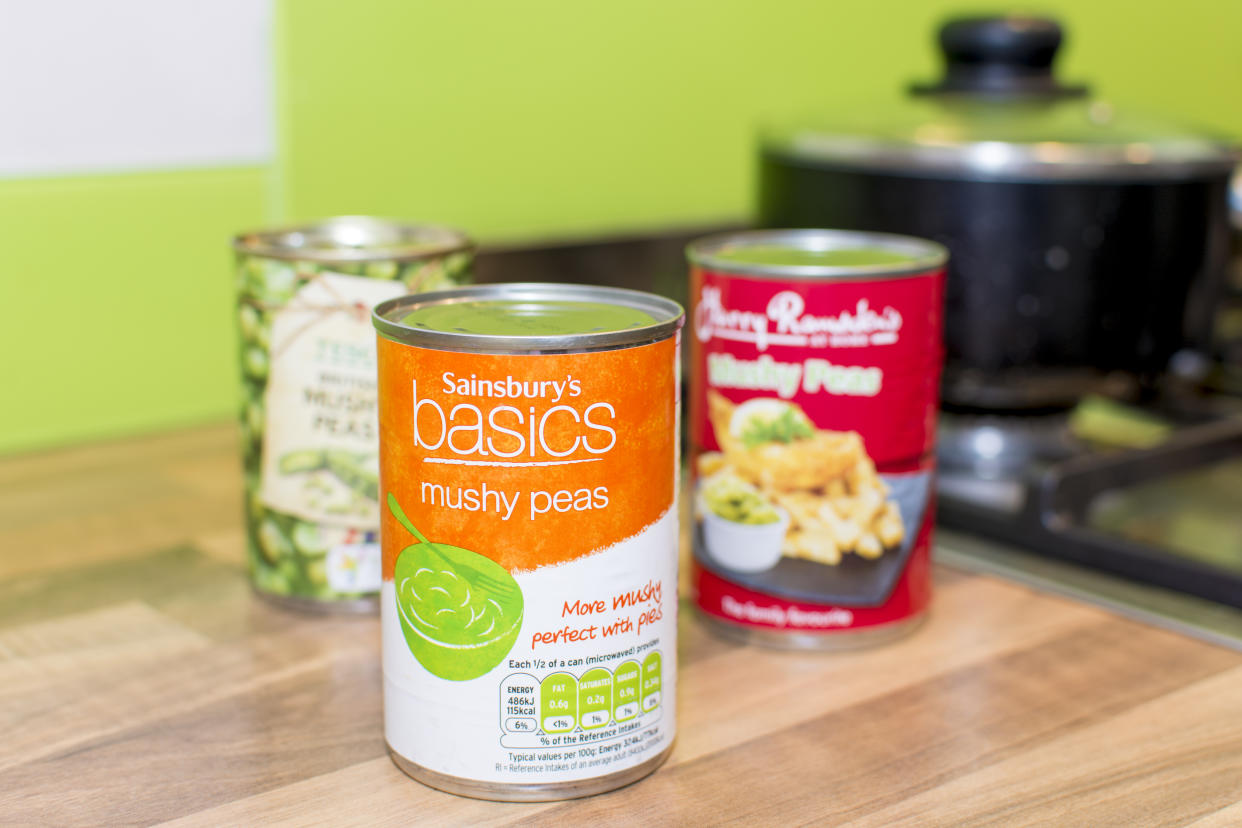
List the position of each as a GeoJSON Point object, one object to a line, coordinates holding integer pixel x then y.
{"type": "Point", "coordinates": [1000, 113]}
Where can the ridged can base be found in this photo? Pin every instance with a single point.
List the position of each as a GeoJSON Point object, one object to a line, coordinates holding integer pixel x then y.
{"type": "Point", "coordinates": [840, 640]}
{"type": "Point", "coordinates": [318, 606]}
{"type": "Point", "coordinates": [528, 791]}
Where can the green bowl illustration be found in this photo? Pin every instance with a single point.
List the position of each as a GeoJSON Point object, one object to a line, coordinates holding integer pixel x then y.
{"type": "Point", "coordinates": [460, 611]}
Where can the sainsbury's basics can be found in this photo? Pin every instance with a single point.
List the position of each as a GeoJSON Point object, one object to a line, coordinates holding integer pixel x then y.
{"type": "Point", "coordinates": [528, 471]}
{"type": "Point", "coordinates": [816, 359]}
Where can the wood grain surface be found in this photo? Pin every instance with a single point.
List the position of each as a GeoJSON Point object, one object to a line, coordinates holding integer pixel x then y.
{"type": "Point", "coordinates": [141, 682]}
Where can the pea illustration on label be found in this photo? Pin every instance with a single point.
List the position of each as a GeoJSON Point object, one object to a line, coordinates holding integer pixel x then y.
{"type": "Point", "coordinates": [460, 611]}
{"type": "Point", "coordinates": [356, 482]}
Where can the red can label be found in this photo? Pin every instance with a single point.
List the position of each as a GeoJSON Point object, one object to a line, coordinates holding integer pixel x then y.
{"type": "Point", "coordinates": [812, 420]}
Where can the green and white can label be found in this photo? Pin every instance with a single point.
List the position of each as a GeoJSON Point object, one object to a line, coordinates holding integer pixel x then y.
{"type": "Point", "coordinates": [308, 414]}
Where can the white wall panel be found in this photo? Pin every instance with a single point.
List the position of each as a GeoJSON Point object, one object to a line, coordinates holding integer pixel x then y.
{"type": "Point", "coordinates": [94, 86]}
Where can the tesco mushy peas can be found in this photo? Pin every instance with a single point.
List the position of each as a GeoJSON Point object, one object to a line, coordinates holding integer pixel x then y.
{"type": "Point", "coordinates": [816, 359]}
{"type": "Point", "coordinates": [528, 476]}
{"type": "Point", "coordinates": [309, 446]}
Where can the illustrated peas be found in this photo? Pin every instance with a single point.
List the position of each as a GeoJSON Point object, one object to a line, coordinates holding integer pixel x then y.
{"type": "Point", "coordinates": [254, 505]}
{"type": "Point", "coordinates": [288, 569]}
{"type": "Point", "coordinates": [350, 470]}
{"type": "Point", "coordinates": [316, 573]}
{"type": "Point", "coordinates": [457, 263]}
{"type": "Point", "coordinates": [263, 333]}
{"type": "Point", "coordinates": [308, 540]}
{"type": "Point", "coordinates": [273, 543]}
{"type": "Point", "coordinates": [381, 270]}
{"type": "Point", "coordinates": [254, 419]}
{"type": "Point", "coordinates": [350, 268]}
{"type": "Point", "coordinates": [274, 282]}
{"type": "Point", "coordinates": [302, 461]}
{"type": "Point", "coordinates": [271, 580]}
{"type": "Point", "coordinates": [249, 320]}
{"type": "Point", "coordinates": [255, 364]}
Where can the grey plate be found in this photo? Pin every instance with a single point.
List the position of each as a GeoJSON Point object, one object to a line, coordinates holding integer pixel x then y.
{"type": "Point", "coordinates": [855, 582]}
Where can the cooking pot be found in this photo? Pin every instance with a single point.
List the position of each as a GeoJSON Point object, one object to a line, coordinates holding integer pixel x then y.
{"type": "Point", "coordinates": [1088, 245]}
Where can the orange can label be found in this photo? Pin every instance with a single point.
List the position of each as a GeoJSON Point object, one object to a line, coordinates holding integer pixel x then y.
{"type": "Point", "coordinates": [533, 459]}
{"type": "Point", "coordinates": [529, 538]}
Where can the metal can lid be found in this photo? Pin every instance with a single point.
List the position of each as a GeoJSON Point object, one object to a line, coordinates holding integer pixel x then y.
{"type": "Point", "coordinates": [346, 239]}
{"type": "Point", "coordinates": [528, 317]}
{"type": "Point", "coordinates": [817, 254]}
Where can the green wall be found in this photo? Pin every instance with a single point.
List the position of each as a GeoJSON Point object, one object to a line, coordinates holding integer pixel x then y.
{"type": "Point", "coordinates": [547, 117]}
{"type": "Point", "coordinates": [513, 120]}
{"type": "Point", "coordinates": [117, 311]}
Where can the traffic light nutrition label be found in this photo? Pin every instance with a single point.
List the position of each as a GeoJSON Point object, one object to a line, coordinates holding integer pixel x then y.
{"type": "Point", "coordinates": [580, 716]}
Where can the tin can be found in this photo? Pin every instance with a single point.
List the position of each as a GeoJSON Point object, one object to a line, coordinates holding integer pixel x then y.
{"type": "Point", "coordinates": [308, 411]}
{"type": "Point", "coordinates": [816, 359]}
{"type": "Point", "coordinates": [528, 465]}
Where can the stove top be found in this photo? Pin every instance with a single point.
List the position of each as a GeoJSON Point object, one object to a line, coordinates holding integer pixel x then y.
{"type": "Point", "coordinates": [1168, 515]}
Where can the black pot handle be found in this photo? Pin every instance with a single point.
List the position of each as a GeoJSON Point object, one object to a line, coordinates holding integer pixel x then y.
{"type": "Point", "coordinates": [1007, 57]}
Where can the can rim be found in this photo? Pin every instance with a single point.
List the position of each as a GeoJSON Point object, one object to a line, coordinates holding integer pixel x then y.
{"type": "Point", "coordinates": [424, 241]}
{"type": "Point", "coordinates": [669, 316]}
{"type": "Point", "coordinates": [925, 254]}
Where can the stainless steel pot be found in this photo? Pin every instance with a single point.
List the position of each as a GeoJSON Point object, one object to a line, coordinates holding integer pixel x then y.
{"type": "Point", "coordinates": [1088, 245]}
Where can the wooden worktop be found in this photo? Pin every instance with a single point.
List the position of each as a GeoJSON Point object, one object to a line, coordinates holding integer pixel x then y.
{"type": "Point", "coordinates": [142, 682]}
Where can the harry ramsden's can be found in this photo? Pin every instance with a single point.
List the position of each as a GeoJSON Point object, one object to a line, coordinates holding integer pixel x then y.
{"type": "Point", "coordinates": [308, 415]}
{"type": "Point", "coordinates": [815, 360]}
{"type": "Point", "coordinates": [528, 474]}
